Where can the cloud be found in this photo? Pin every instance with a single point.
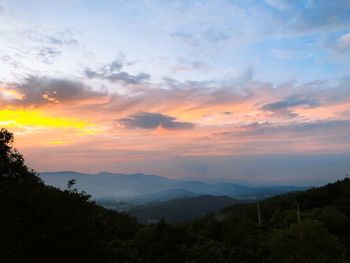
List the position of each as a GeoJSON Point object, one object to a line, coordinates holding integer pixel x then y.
{"type": "Point", "coordinates": [41, 91]}
{"type": "Point", "coordinates": [314, 128]}
{"type": "Point", "coordinates": [322, 14]}
{"type": "Point", "coordinates": [10, 60]}
{"type": "Point", "coordinates": [146, 120]}
{"type": "Point", "coordinates": [28, 49]}
{"type": "Point", "coordinates": [285, 54]}
{"type": "Point", "coordinates": [208, 34]}
{"type": "Point", "coordinates": [278, 4]}
{"type": "Point", "coordinates": [251, 112]}
{"type": "Point", "coordinates": [56, 38]}
{"type": "Point", "coordinates": [10, 94]}
{"type": "Point", "coordinates": [184, 64]}
{"type": "Point", "coordinates": [182, 35]}
{"type": "Point", "coordinates": [290, 102]}
{"type": "Point", "coordinates": [344, 39]}
{"type": "Point", "coordinates": [128, 78]}
{"type": "Point", "coordinates": [113, 73]}
{"type": "Point", "coordinates": [298, 17]}
{"type": "Point", "coordinates": [339, 48]}
{"type": "Point", "coordinates": [323, 136]}
{"type": "Point", "coordinates": [213, 35]}
{"type": "Point", "coordinates": [48, 54]}
{"type": "Point", "coordinates": [62, 38]}
{"type": "Point", "coordinates": [193, 99]}
{"type": "Point", "coordinates": [282, 107]}
{"type": "Point", "coordinates": [219, 120]}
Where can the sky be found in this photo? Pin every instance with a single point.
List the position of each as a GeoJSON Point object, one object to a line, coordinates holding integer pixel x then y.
{"type": "Point", "coordinates": [247, 89]}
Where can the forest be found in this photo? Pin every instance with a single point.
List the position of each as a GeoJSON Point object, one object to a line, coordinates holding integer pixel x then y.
{"type": "Point", "coordinates": [40, 223]}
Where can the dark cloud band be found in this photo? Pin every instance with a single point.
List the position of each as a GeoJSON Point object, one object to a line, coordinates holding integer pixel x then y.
{"type": "Point", "coordinates": [146, 120]}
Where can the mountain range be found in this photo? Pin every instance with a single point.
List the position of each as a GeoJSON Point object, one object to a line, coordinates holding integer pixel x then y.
{"type": "Point", "coordinates": [141, 188]}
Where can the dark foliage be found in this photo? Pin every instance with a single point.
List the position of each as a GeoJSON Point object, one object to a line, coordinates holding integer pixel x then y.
{"type": "Point", "coordinates": [182, 209]}
{"type": "Point", "coordinates": [43, 224]}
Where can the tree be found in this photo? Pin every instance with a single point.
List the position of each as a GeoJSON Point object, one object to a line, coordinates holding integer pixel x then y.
{"type": "Point", "coordinates": [39, 223]}
{"type": "Point", "coordinates": [308, 242]}
{"type": "Point", "coordinates": [12, 162]}
{"type": "Point", "coordinates": [71, 183]}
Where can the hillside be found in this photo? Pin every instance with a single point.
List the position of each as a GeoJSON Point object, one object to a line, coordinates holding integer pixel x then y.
{"type": "Point", "coordinates": [321, 235]}
{"type": "Point", "coordinates": [181, 209]}
{"type": "Point", "coordinates": [39, 223]}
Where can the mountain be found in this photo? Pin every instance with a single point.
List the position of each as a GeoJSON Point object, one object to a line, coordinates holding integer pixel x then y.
{"type": "Point", "coordinates": [181, 209]}
{"type": "Point", "coordinates": [140, 187]}
{"type": "Point", "coordinates": [108, 184]}
{"type": "Point", "coordinates": [40, 223]}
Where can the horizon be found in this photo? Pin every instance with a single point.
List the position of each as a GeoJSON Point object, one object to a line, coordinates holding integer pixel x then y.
{"type": "Point", "coordinates": [257, 91]}
{"type": "Point", "coordinates": [238, 181]}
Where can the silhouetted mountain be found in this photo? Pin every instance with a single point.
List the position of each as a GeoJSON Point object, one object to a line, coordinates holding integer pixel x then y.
{"type": "Point", "coordinates": [138, 186]}
{"type": "Point", "coordinates": [182, 209]}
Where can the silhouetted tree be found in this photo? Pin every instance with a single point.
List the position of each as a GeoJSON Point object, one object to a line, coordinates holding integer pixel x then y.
{"type": "Point", "coordinates": [71, 183]}
{"type": "Point", "coordinates": [308, 241]}
{"type": "Point", "coordinates": [43, 224]}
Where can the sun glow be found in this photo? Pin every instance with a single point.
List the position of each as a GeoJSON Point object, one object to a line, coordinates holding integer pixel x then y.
{"type": "Point", "coordinates": [35, 118]}
{"type": "Point", "coordinates": [10, 94]}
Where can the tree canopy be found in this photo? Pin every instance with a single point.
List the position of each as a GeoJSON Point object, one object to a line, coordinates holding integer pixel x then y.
{"type": "Point", "coordinates": [39, 223]}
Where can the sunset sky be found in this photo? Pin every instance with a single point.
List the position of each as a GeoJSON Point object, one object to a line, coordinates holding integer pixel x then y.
{"type": "Point", "coordinates": [252, 90]}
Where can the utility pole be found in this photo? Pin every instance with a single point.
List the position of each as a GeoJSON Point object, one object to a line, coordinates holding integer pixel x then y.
{"type": "Point", "coordinates": [298, 213]}
{"type": "Point", "coordinates": [258, 210]}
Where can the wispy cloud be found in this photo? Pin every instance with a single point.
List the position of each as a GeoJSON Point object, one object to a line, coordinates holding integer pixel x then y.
{"type": "Point", "coordinates": [284, 106]}
{"type": "Point", "coordinates": [176, 79]}
{"type": "Point", "coordinates": [113, 72]}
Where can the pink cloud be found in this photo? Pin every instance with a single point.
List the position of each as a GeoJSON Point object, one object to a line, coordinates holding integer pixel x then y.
{"type": "Point", "coordinates": [344, 40]}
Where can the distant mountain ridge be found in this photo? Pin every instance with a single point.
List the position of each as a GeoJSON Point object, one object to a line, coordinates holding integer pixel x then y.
{"type": "Point", "coordinates": [131, 186]}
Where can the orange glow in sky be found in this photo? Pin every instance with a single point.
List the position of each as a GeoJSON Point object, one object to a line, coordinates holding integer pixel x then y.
{"type": "Point", "coordinates": [139, 85]}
